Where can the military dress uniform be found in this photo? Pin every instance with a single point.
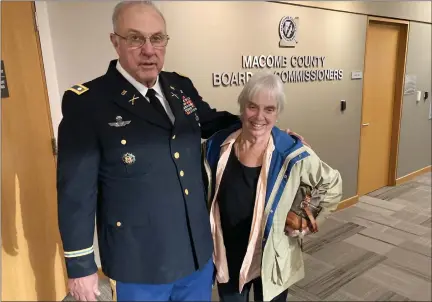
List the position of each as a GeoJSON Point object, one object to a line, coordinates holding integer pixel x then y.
{"type": "Point", "coordinates": [121, 159]}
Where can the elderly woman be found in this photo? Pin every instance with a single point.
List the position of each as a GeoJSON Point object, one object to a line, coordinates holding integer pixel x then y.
{"type": "Point", "coordinates": [254, 176]}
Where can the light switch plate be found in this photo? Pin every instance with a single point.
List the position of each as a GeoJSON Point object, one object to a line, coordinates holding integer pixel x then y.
{"type": "Point", "coordinates": [418, 98]}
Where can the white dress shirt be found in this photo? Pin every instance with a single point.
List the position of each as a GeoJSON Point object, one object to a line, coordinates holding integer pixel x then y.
{"type": "Point", "coordinates": [143, 90]}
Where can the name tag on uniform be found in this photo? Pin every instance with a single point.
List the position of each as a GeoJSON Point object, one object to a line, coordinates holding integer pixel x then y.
{"type": "Point", "coordinates": [188, 105]}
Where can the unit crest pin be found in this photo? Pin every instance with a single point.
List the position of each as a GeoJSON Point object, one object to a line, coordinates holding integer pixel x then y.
{"type": "Point", "coordinates": [128, 158]}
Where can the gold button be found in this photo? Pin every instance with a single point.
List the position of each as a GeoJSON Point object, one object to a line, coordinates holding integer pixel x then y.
{"type": "Point", "coordinates": [118, 223]}
{"type": "Point", "coordinates": [181, 173]}
{"type": "Point", "coordinates": [186, 191]}
{"type": "Point", "coordinates": [123, 142]}
{"type": "Point", "coordinates": [176, 155]}
{"type": "Point", "coordinates": [173, 136]}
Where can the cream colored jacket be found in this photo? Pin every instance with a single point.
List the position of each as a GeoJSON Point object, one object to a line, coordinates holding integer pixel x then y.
{"type": "Point", "coordinates": [271, 254]}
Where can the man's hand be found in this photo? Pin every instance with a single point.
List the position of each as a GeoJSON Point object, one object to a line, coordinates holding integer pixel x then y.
{"type": "Point", "coordinates": [301, 138]}
{"type": "Point", "coordinates": [85, 288]}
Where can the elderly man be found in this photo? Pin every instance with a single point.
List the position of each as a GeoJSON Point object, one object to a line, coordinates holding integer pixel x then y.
{"type": "Point", "coordinates": [129, 153]}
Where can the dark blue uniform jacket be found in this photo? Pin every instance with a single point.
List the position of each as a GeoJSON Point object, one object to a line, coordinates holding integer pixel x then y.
{"type": "Point", "coordinates": [141, 176]}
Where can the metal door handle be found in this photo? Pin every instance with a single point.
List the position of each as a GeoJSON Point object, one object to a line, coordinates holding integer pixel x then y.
{"type": "Point", "coordinates": [365, 124]}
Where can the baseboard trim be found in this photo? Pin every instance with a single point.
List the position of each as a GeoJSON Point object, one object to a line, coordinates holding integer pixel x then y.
{"type": "Point", "coordinates": [347, 202]}
{"type": "Point", "coordinates": [412, 175]}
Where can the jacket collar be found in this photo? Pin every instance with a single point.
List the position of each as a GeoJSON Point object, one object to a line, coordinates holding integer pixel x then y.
{"type": "Point", "coordinates": [128, 96]}
{"type": "Point", "coordinates": [279, 140]}
{"type": "Point", "coordinates": [138, 86]}
{"type": "Point", "coordinates": [229, 141]}
{"type": "Point", "coordinates": [285, 143]}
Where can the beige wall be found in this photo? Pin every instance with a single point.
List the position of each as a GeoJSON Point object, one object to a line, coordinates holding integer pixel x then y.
{"type": "Point", "coordinates": [73, 51]}
{"type": "Point", "coordinates": [409, 10]}
{"type": "Point", "coordinates": [415, 137]}
{"type": "Point", "coordinates": [313, 108]}
{"type": "Point", "coordinates": [211, 37]}
{"type": "Point", "coordinates": [75, 44]}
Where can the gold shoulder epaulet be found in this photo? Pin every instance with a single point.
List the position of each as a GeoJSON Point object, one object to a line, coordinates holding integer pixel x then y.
{"type": "Point", "coordinates": [78, 89]}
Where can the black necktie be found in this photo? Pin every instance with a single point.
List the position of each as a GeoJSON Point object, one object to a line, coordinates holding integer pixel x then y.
{"type": "Point", "coordinates": [151, 94]}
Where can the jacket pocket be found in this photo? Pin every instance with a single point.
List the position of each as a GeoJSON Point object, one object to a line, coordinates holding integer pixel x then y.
{"type": "Point", "coordinates": [288, 260]}
{"type": "Point", "coordinates": [124, 213]}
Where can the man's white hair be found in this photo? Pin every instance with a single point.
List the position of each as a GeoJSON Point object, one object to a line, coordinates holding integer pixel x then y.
{"type": "Point", "coordinates": [124, 4]}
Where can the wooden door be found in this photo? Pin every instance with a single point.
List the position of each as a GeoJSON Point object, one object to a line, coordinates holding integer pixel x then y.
{"type": "Point", "coordinates": [32, 261]}
{"type": "Point", "coordinates": [383, 80]}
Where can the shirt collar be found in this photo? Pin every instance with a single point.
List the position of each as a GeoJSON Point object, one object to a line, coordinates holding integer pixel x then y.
{"type": "Point", "coordinates": [230, 140]}
{"type": "Point", "coordinates": [139, 86]}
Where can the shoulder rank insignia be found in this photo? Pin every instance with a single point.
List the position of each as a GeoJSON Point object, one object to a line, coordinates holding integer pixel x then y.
{"type": "Point", "coordinates": [78, 89]}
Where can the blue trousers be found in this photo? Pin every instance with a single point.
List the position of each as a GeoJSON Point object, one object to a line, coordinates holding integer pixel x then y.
{"type": "Point", "coordinates": [195, 287]}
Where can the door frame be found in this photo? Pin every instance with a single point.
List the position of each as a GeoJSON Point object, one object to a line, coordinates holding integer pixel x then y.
{"type": "Point", "coordinates": [60, 290]}
{"type": "Point", "coordinates": [398, 95]}
{"type": "Point", "coordinates": [41, 61]}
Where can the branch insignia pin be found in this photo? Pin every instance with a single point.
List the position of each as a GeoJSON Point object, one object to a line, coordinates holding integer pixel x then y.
{"type": "Point", "coordinates": [132, 100]}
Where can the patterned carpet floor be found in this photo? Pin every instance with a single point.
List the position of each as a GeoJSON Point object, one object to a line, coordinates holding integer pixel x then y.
{"type": "Point", "coordinates": [376, 250]}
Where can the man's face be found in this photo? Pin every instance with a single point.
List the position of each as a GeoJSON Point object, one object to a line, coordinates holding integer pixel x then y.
{"type": "Point", "coordinates": [145, 62]}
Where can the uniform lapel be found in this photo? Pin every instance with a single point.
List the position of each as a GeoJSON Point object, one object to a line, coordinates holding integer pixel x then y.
{"type": "Point", "coordinates": [126, 96]}
{"type": "Point", "coordinates": [173, 95]}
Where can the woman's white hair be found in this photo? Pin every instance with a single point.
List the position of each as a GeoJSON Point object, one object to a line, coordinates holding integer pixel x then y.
{"type": "Point", "coordinates": [263, 81]}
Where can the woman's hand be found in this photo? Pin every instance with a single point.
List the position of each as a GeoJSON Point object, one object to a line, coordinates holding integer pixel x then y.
{"type": "Point", "coordinates": [295, 225]}
{"type": "Point", "coordinates": [295, 222]}
{"type": "Point", "coordinates": [296, 233]}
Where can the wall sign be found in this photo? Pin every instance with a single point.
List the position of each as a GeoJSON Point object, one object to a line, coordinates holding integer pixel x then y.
{"type": "Point", "coordinates": [288, 27]}
{"type": "Point", "coordinates": [4, 86]}
{"type": "Point", "coordinates": [410, 86]}
{"type": "Point", "coordinates": [302, 69]}
{"type": "Point", "coordinates": [291, 69]}
{"type": "Point", "coordinates": [356, 75]}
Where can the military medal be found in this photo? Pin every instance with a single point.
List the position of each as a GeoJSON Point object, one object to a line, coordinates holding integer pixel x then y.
{"type": "Point", "coordinates": [188, 105]}
{"type": "Point", "coordinates": [128, 158]}
{"type": "Point", "coordinates": [123, 92]}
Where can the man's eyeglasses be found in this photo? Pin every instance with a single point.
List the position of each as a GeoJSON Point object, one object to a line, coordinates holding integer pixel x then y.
{"type": "Point", "coordinates": [137, 40]}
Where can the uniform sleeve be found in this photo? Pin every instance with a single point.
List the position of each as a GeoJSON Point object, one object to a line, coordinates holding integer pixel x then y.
{"type": "Point", "coordinates": [77, 173]}
{"type": "Point", "coordinates": [326, 180]}
{"type": "Point", "coordinates": [212, 120]}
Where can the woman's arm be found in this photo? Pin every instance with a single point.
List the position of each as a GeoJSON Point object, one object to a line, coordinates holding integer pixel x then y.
{"type": "Point", "coordinates": [326, 180]}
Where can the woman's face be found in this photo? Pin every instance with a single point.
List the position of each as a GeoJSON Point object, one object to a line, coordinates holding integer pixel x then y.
{"type": "Point", "coordinates": [260, 115]}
